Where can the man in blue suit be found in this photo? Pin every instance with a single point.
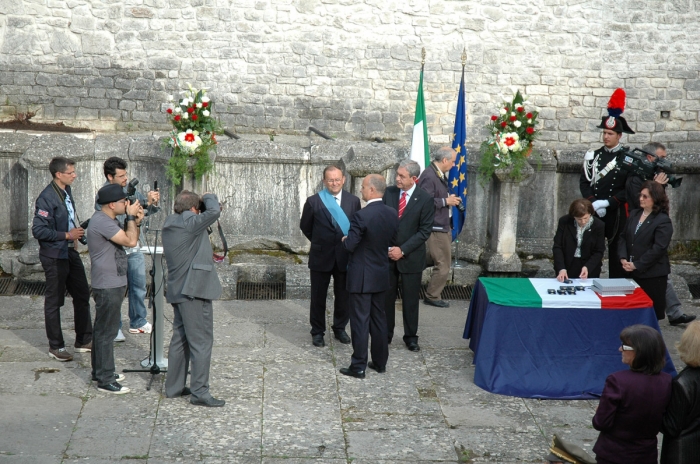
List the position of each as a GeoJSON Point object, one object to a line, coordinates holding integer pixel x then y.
{"type": "Point", "coordinates": [372, 230]}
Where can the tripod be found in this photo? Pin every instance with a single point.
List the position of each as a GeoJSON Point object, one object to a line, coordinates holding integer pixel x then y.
{"type": "Point", "coordinates": [155, 363]}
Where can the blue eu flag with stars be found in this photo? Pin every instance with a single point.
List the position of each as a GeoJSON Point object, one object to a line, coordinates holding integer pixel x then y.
{"type": "Point", "coordinates": [457, 180]}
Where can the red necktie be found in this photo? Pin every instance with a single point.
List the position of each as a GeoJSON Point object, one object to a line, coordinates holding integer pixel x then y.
{"type": "Point", "coordinates": [402, 204]}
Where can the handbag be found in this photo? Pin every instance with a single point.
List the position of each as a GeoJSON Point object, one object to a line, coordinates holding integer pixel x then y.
{"type": "Point", "coordinates": [569, 452]}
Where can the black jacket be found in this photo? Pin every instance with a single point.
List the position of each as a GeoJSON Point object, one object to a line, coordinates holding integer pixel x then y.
{"type": "Point", "coordinates": [415, 227]}
{"type": "Point", "coordinates": [50, 224]}
{"type": "Point", "coordinates": [592, 247]}
{"type": "Point", "coordinates": [681, 422]}
{"type": "Point", "coordinates": [436, 187]}
{"type": "Point", "coordinates": [372, 229]}
{"type": "Point", "coordinates": [649, 246]}
{"type": "Point", "coordinates": [323, 232]}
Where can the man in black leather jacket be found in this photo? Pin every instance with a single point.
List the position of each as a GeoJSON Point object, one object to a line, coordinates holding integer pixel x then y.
{"type": "Point", "coordinates": [57, 228]}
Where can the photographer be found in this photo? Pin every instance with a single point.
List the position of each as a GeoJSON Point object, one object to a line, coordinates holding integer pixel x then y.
{"type": "Point", "coordinates": [106, 242]}
{"type": "Point", "coordinates": [192, 285]}
{"type": "Point", "coordinates": [114, 169]}
{"type": "Point", "coordinates": [674, 310]}
{"type": "Point", "coordinates": [55, 226]}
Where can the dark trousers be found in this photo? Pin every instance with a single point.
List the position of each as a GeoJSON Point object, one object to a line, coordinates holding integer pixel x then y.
{"type": "Point", "coordinates": [319, 293]}
{"type": "Point", "coordinates": [61, 275]}
{"type": "Point", "coordinates": [367, 319]}
{"type": "Point", "coordinates": [193, 338]}
{"type": "Point", "coordinates": [108, 305]}
{"type": "Point", "coordinates": [410, 291]}
{"type": "Point", "coordinates": [655, 287]}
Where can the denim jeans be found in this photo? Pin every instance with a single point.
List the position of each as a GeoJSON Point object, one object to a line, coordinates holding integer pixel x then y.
{"type": "Point", "coordinates": [136, 276]}
{"type": "Point", "coordinates": [108, 303]}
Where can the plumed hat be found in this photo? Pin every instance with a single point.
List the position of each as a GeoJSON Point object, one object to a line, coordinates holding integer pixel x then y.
{"type": "Point", "coordinates": [614, 120]}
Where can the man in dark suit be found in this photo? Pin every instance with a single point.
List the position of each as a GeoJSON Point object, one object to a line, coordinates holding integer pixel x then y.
{"type": "Point", "coordinates": [192, 284]}
{"type": "Point", "coordinates": [324, 221]}
{"type": "Point", "coordinates": [372, 229]}
{"type": "Point", "coordinates": [407, 254]}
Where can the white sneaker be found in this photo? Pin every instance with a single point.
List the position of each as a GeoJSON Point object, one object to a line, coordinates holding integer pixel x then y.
{"type": "Point", "coordinates": [144, 329]}
{"type": "Point", "coordinates": [120, 336]}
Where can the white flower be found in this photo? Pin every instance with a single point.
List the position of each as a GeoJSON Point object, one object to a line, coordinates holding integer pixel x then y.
{"type": "Point", "coordinates": [205, 113]}
{"type": "Point", "coordinates": [512, 113]}
{"type": "Point", "coordinates": [503, 111]}
{"type": "Point", "coordinates": [185, 116]}
{"type": "Point", "coordinates": [189, 140]}
{"type": "Point", "coordinates": [205, 100]}
{"type": "Point", "coordinates": [170, 98]}
{"type": "Point", "coordinates": [185, 102]}
{"type": "Point", "coordinates": [199, 105]}
{"type": "Point", "coordinates": [529, 121]}
{"type": "Point", "coordinates": [177, 109]}
{"type": "Point", "coordinates": [517, 123]}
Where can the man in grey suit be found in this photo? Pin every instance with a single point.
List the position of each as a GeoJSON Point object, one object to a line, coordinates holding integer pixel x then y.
{"type": "Point", "coordinates": [192, 284]}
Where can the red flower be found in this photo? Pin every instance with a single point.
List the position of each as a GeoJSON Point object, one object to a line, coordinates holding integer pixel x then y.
{"type": "Point", "coordinates": [509, 141]}
{"type": "Point", "coordinates": [190, 109]}
{"type": "Point", "coordinates": [530, 130]}
{"type": "Point", "coordinates": [506, 108]}
{"type": "Point", "coordinates": [169, 111]}
{"type": "Point", "coordinates": [213, 138]}
{"type": "Point", "coordinates": [177, 117]}
{"type": "Point", "coordinates": [504, 124]}
{"type": "Point", "coordinates": [205, 104]}
{"type": "Point", "coordinates": [520, 109]}
{"type": "Point", "coordinates": [194, 117]}
{"type": "Point", "coordinates": [189, 137]}
{"type": "Point", "coordinates": [513, 118]}
{"type": "Point", "coordinates": [528, 115]}
{"type": "Point", "coordinates": [494, 118]}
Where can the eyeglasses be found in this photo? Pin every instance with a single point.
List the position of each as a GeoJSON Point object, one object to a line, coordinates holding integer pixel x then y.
{"type": "Point", "coordinates": [644, 196]}
{"type": "Point", "coordinates": [626, 347]}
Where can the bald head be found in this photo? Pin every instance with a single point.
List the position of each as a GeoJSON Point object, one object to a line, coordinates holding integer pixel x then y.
{"type": "Point", "coordinates": [373, 186]}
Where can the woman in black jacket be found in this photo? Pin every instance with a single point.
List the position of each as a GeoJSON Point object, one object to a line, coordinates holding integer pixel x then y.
{"type": "Point", "coordinates": [579, 243]}
{"type": "Point", "coordinates": [681, 422]}
{"type": "Point", "coordinates": [643, 246]}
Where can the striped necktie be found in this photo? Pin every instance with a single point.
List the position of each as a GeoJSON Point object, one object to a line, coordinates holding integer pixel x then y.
{"type": "Point", "coordinates": [402, 204]}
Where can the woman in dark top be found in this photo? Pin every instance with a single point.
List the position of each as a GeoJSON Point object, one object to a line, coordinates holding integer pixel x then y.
{"type": "Point", "coordinates": [681, 422]}
{"type": "Point", "coordinates": [579, 243]}
{"type": "Point", "coordinates": [633, 402]}
{"type": "Point", "coordinates": [643, 246]}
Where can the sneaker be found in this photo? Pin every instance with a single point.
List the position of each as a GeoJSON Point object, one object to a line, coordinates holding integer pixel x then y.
{"type": "Point", "coordinates": [60, 355]}
{"type": "Point", "coordinates": [144, 329]}
{"type": "Point", "coordinates": [120, 336]}
{"type": "Point", "coordinates": [83, 348]}
{"type": "Point", "coordinates": [117, 377]}
{"type": "Point", "coordinates": [684, 319]}
{"type": "Point", "coordinates": [114, 388]}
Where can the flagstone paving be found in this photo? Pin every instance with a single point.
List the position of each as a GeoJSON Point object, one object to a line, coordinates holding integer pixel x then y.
{"type": "Point", "coordinates": [286, 403]}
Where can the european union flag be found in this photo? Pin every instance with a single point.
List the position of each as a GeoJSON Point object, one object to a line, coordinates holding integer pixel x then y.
{"type": "Point", "coordinates": [457, 180]}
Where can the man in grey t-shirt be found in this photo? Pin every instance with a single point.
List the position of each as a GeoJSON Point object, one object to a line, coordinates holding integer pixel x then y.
{"type": "Point", "coordinates": [106, 242]}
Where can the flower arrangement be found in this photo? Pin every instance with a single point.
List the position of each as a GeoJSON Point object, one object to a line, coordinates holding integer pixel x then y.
{"type": "Point", "coordinates": [193, 135]}
{"type": "Point", "coordinates": [512, 132]}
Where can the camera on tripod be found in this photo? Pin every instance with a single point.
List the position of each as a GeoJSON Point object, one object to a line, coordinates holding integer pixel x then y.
{"type": "Point", "coordinates": [637, 163]}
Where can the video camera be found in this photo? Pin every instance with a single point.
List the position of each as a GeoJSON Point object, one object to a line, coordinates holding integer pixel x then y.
{"type": "Point", "coordinates": [131, 191]}
{"type": "Point", "coordinates": [636, 163]}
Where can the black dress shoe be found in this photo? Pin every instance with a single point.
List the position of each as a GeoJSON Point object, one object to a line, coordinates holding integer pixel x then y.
{"type": "Point", "coordinates": [350, 373]}
{"type": "Point", "coordinates": [379, 369]}
{"type": "Point", "coordinates": [413, 346]}
{"type": "Point", "coordinates": [209, 402]}
{"type": "Point", "coordinates": [438, 303]}
{"type": "Point", "coordinates": [318, 340]}
{"type": "Point", "coordinates": [684, 319]}
{"type": "Point", "coordinates": [186, 392]}
{"type": "Point", "coordinates": [342, 337]}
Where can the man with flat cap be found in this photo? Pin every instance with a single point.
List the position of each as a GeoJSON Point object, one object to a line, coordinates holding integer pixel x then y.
{"type": "Point", "coordinates": [603, 180]}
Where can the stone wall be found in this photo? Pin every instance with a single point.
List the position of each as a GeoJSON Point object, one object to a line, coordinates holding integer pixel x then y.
{"type": "Point", "coordinates": [351, 67]}
{"type": "Point", "coordinates": [263, 185]}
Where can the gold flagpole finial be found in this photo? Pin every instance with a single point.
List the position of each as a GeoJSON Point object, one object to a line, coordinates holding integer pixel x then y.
{"type": "Point", "coordinates": [464, 57]}
{"type": "Point", "coordinates": [422, 55]}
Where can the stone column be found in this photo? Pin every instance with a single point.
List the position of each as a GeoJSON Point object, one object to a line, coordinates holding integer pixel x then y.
{"type": "Point", "coordinates": [500, 255]}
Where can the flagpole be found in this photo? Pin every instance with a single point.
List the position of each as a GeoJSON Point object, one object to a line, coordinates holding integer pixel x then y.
{"type": "Point", "coordinates": [457, 264]}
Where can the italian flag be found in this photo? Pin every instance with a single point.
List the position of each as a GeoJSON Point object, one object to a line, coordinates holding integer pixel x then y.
{"type": "Point", "coordinates": [420, 152]}
{"type": "Point", "coordinates": [532, 293]}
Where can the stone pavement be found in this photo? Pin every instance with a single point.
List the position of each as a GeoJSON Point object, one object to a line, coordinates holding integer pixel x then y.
{"type": "Point", "coordinates": [286, 403]}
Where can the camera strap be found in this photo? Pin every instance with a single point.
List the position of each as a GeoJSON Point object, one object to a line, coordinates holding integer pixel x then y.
{"type": "Point", "coordinates": [62, 197]}
{"type": "Point", "coordinates": [217, 257]}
